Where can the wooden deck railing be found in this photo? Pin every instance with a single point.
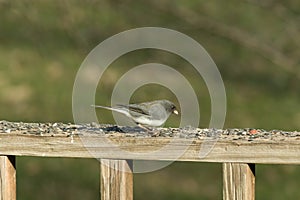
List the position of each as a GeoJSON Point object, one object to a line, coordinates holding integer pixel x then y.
{"type": "Point", "coordinates": [238, 149]}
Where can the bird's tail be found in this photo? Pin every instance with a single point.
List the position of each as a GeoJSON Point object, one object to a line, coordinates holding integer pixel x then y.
{"type": "Point", "coordinates": [119, 110]}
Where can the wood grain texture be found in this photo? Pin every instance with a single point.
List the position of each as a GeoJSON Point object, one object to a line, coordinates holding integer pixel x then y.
{"type": "Point", "coordinates": [238, 181]}
{"type": "Point", "coordinates": [179, 149]}
{"type": "Point", "coordinates": [116, 179]}
{"type": "Point", "coordinates": [7, 178]}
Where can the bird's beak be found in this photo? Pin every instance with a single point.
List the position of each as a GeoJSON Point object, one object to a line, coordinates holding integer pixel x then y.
{"type": "Point", "coordinates": [175, 112]}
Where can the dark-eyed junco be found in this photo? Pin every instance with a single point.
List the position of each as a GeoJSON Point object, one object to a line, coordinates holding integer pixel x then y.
{"type": "Point", "coordinates": [153, 113]}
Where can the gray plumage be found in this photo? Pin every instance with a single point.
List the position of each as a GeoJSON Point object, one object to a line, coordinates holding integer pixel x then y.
{"type": "Point", "coordinates": [153, 113]}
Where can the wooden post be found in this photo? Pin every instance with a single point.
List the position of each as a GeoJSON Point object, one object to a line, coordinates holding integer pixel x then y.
{"type": "Point", "coordinates": [7, 178]}
{"type": "Point", "coordinates": [116, 179]}
{"type": "Point", "coordinates": [238, 181]}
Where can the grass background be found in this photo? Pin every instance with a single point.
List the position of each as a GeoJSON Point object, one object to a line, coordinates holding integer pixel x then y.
{"type": "Point", "coordinates": [255, 45]}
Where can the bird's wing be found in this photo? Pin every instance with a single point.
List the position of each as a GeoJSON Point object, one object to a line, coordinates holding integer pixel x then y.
{"type": "Point", "coordinates": [133, 108]}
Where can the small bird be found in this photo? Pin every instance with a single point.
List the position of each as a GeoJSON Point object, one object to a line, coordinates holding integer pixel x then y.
{"type": "Point", "coordinates": [153, 113]}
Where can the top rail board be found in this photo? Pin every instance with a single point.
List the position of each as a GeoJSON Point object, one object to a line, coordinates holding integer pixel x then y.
{"type": "Point", "coordinates": [172, 144]}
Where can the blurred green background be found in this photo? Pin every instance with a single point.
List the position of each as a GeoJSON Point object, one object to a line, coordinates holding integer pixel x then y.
{"type": "Point", "coordinates": [255, 45]}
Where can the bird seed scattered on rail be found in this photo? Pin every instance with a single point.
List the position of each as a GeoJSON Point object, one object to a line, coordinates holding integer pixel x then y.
{"type": "Point", "coordinates": [188, 132]}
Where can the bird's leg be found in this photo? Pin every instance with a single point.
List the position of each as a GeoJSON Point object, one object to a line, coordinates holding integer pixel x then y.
{"type": "Point", "coordinates": [143, 127]}
{"type": "Point", "coordinates": [151, 131]}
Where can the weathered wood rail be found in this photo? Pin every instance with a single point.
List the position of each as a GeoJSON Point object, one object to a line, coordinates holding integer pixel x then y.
{"type": "Point", "coordinates": [238, 149]}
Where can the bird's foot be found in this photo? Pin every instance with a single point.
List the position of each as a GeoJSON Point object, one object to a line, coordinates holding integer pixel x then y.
{"type": "Point", "coordinates": [152, 132]}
